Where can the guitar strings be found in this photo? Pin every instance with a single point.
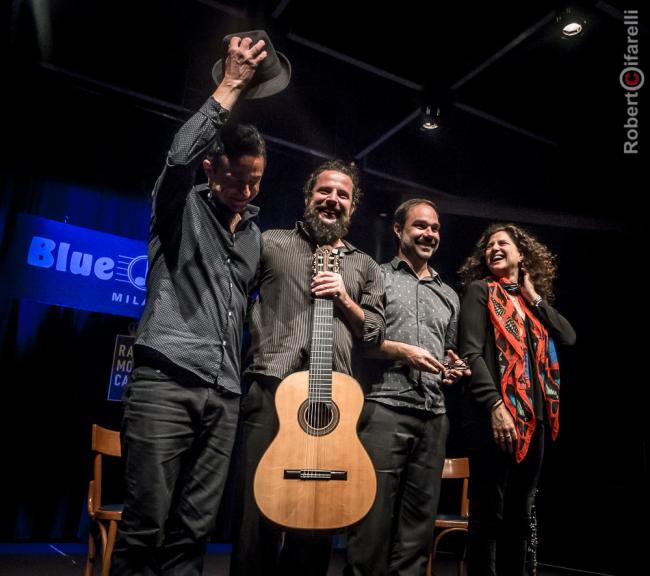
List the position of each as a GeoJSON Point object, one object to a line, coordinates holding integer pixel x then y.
{"type": "Point", "coordinates": [318, 411]}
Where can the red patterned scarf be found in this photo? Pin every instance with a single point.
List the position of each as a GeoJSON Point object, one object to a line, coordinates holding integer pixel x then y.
{"type": "Point", "coordinates": [515, 363]}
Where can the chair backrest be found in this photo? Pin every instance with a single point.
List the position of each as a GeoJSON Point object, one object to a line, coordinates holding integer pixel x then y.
{"type": "Point", "coordinates": [105, 442]}
{"type": "Point", "coordinates": [457, 469]}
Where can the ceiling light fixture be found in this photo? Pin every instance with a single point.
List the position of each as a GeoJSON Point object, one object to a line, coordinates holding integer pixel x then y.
{"type": "Point", "coordinates": [571, 23]}
{"type": "Point", "coordinates": [429, 119]}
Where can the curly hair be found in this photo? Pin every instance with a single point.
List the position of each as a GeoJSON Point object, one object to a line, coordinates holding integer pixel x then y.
{"type": "Point", "coordinates": [347, 168]}
{"type": "Point", "coordinates": [538, 259]}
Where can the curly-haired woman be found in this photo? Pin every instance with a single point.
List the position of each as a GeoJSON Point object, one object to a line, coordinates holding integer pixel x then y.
{"type": "Point", "coordinates": [507, 332]}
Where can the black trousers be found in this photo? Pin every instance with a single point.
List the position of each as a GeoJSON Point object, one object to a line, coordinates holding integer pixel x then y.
{"type": "Point", "coordinates": [408, 451]}
{"type": "Point", "coordinates": [177, 442]}
{"type": "Point", "coordinates": [501, 495]}
{"type": "Point", "coordinates": [257, 545]}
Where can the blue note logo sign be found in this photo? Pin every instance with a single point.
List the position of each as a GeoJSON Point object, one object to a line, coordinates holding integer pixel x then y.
{"type": "Point", "coordinates": [80, 268]}
{"type": "Point", "coordinates": [135, 271]}
{"type": "Point", "coordinates": [45, 253]}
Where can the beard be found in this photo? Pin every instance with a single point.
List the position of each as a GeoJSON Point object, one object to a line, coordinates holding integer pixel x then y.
{"type": "Point", "coordinates": [323, 233]}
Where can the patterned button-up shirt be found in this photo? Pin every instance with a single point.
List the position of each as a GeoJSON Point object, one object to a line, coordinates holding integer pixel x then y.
{"type": "Point", "coordinates": [422, 312]}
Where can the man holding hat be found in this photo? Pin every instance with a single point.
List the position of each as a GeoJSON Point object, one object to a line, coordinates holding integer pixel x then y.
{"type": "Point", "coordinates": [182, 401]}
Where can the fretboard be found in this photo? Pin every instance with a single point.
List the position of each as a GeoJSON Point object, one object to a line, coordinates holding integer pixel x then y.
{"type": "Point", "coordinates": [320, 362]}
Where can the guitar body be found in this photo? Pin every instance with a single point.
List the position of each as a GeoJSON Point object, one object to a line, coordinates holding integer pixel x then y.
{"type": "Point", "coordinates": [316, 475]}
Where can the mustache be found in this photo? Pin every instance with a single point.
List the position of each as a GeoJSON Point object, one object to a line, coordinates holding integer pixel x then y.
{"type": "Point", "coordinates": [325, 208]}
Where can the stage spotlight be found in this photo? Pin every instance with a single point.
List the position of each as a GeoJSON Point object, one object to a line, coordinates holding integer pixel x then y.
{"type": "Point", "coordinates": [429, 120]}
{"type": "Point", "coordinates": [571, 23]}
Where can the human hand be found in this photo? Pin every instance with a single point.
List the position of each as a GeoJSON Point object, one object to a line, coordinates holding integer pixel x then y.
{"type": "Point", "coordinates": [503, 428]}
{"type": "Point", "coordinates": [327, 284]}
{"type": "Point", "coordinates": [455, 368]}
{"type": "Point", "coordinates": [526, 285]}
{"type": "Point", "coordinates": [419, 358]}
{"type": "Point", "coordinates": [242, 61]}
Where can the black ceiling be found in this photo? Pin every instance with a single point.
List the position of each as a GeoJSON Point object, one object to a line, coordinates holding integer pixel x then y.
{"type": "Point", "coordinates": [531, 123]}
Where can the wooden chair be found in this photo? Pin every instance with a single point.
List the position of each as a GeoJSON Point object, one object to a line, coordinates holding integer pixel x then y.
{"type": "Point", "coordinates": [454, 469]}
{"type": "Point", "coordinates": [103, 517]}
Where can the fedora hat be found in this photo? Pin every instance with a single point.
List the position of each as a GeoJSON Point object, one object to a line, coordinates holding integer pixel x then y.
{"type": "Point", "coordinates": [272, 74]}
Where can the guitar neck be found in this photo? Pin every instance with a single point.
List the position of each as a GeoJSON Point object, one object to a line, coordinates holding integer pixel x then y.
{"type": "Point", "coordinates": [322, 341]}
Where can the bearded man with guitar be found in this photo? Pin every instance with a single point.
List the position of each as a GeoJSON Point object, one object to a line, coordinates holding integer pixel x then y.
{"type": "Point", "coordinates": [286, 331]}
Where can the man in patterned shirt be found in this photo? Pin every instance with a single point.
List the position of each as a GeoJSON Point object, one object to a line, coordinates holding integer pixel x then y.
{"type": "Point", "coordinates": [182, 402]}
{"type": "Point", "coordinates": [280, 345]}
{"type": "Point", "coordinates": [403, 425]}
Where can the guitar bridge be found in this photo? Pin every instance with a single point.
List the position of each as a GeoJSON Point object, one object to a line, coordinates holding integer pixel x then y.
{"type": "Point", "coordinates": [311, 474]}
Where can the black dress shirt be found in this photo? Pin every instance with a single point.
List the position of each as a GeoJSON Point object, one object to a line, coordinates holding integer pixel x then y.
{"type": "Point", "coordinates": [199, 272]}
{"type": "Point", "coordinates": [423, 312]}
{"type": "Point", "coordinates": [281, 318]}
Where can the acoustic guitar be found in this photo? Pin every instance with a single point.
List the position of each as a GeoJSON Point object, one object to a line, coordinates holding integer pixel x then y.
{"type": "Point", "coordinates": [316, 475]}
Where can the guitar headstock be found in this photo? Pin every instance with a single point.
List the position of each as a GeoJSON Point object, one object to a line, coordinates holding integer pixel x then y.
{"type": "Point", "coordinates": [326, 259]}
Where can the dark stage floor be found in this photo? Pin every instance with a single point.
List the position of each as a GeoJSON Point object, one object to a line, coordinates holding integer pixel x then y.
{"type": "Point", "coordinates": [68, 560]}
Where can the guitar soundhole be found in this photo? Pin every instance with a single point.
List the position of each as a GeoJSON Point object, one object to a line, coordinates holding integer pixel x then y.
{"type": "Point", "coordinates": [318, 418]}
